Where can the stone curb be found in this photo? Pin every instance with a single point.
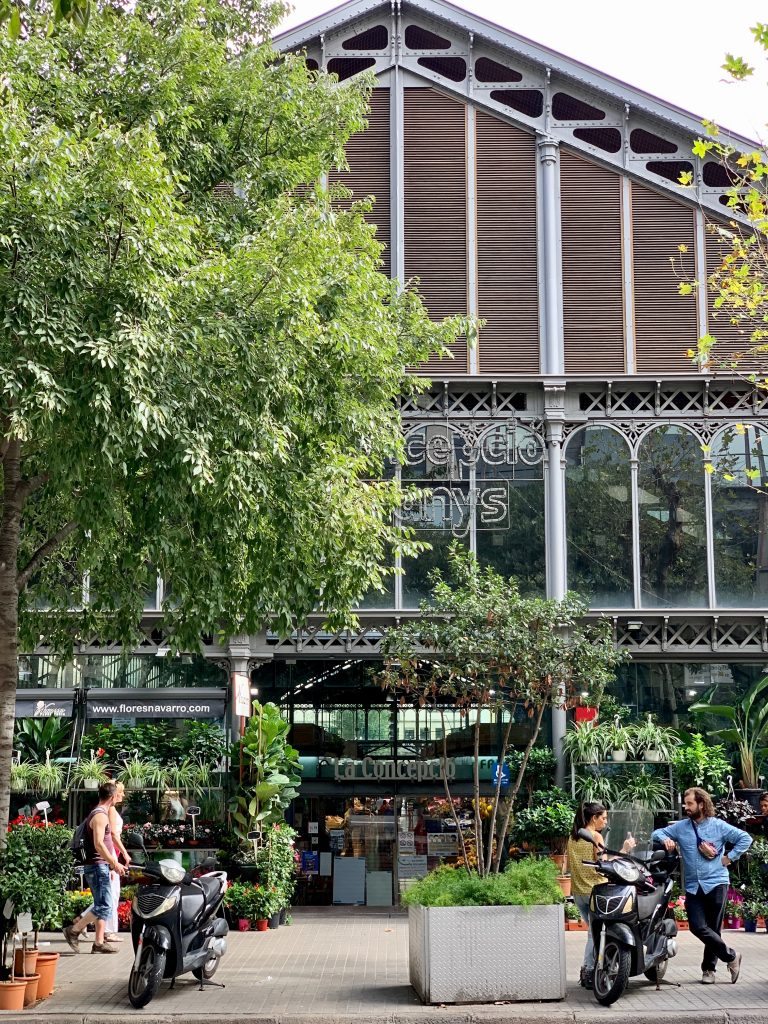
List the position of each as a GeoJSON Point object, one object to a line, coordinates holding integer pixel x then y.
{"type": "Point", "coordinates": [518, 1014]}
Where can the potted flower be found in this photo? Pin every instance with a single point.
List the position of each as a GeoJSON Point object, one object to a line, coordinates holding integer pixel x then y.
{"type": "Point", "coordinates": [619, 740]}
{"type": "Point", "coordinates": [751, 909]}
{"type": "Point", "coordinates": [573, 919]}
{"type": "Point", "coordinates": [733, 917]}
{"type": "Point", "coordinates": [680, 915]}
{"type": "Point", "coordinates": [493, 926]}
{"type": "Point", "coordinates": [236, 905]}
{"type": "Point", "coordinates": [657, 742]}
{"type": "Point", "coordinates": [91, 772]}
{"type": "Point", "coordinates": [258, 902]}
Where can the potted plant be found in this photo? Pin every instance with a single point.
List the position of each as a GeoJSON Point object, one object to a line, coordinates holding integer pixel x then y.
{"type": "Point", "coordinates": [747, 728]}
{"type": "Point", "coordinates": [545, 827]}
{"type": "Point", "coordinates": [680, 915]}
{"type": "Point", "coordinates": [751, 909]}
{"type": "Point", "coordinates": [235, 906]}
{"type": "Point", "coordinates": [656, 742]}
{"type": "Point", "coordinates": [700, 763]}
{"type": "Point", "coordinates": [258, 906]}
{"type": "Point", "coordinates": [595, 786]}
{"type": "Point", "coordinates": [619, 740]}
{"type": "Point", "coordinates": [90, 772]}
{"type": "Point", "coordinates": [12, 989]}
{"type": "Point", "coordinates": [136, 773]}
{"type": "Point", "coordinates": [642, 789]}
{"type": "Point", "coordinates": [455, 918]}
{"type": "Point", "coordinates": [585, 743]}
{"type": "Point", "coordinates": [733, 917]}
{"type": "Point", "coordinates": [22, 776]}
{"type": "Point", "coordinates": [48, 777]}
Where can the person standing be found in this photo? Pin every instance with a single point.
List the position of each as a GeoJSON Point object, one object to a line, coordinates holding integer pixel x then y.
{"type": "Point", "coordinates": [701, 839]}
{"type": "Point", "coordinates": [101, 859]}
{"type": "Point", "coordinates": [116, 830]}
{"type": "Point", "coordinates": [592, 816]}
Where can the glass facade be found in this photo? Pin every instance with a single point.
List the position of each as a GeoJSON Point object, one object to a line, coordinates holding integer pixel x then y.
{"type": "Point", "coordinates": [599, 517]}
{"type": "Point", "coordinates": [107, 671]}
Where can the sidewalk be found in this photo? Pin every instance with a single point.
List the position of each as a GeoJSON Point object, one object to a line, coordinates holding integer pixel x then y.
{"type": "Point", "coordinates": [333, 966]}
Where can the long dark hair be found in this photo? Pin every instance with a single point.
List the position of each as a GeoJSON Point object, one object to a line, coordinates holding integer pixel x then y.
{"type": "Point", "coordinates": [584, 815]}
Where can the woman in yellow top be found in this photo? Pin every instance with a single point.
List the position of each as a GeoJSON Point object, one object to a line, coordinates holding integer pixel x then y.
{"type": "Point", "coordinates": [594, 817]}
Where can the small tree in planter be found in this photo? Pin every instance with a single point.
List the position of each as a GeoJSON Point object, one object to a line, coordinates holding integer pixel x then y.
{"type": "Point", "coordinates": [479, 646]}
{"type": "Point", "coordinates": [269, 772]}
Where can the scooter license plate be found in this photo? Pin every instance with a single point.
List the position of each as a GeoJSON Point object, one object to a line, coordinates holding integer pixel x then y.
{"type": "Point", "coordinates": [139, 944]}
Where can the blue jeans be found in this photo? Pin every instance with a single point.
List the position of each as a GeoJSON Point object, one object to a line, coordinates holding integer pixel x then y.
{"type": "Point", "coordinates": [582, 902]}
{"type": "Point", "coordinates": [97, 877]}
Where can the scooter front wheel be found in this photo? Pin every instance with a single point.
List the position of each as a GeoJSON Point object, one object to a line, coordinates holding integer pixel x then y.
{"type": "Point", "coordinates": [146, 976]}
{"type": "Point", "coordinates": [611, 979]}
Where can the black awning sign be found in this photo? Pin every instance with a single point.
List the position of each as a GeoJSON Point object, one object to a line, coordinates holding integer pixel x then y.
{"type": "Point", "coordinates": [45, 707]}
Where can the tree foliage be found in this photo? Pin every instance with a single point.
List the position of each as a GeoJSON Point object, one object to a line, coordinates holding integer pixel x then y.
{"type": "Point", "coordinates": [739, 282]}
{"type": "Point", "coordinates": [478, 645]}
{"type": "Point", "coordinates": [200, 361]}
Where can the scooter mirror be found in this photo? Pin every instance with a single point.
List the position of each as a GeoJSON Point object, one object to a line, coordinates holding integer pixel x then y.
{"type": "Point", "coordinates": [584, 833]}
{"type": "Point", "coordinates": [658, 855]}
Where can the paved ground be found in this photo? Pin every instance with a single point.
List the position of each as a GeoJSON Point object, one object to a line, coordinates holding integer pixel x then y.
{"type": "Point", "coordinates": [336, 966]}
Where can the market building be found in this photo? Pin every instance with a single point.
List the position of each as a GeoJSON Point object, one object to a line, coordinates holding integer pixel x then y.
{"type": "Point", "coordinates": [568, 447]}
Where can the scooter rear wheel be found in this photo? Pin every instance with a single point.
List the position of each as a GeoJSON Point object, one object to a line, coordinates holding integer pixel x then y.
{"type": "Point", "coordinates": [611, 979]}
{"type": "Point", "coordinates": [145, 979]}
{"type": "Point", "coordinates": [657, 973]}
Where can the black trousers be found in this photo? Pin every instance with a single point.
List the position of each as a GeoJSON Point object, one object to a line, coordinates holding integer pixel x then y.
{"type": "Point", "coordinates": [705, 918]}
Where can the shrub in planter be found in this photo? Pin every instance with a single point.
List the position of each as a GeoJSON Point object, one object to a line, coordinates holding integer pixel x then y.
{"type": "Point", "coordinates": [472, 938]}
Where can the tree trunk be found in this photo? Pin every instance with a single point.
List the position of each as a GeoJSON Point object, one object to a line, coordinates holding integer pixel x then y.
{"type": "Point", "coordinates": [497, 793]}
{"type": "Point", "coordinates": [516, 788]}
{"type": "Point", "coordinates": [479, 848]}
{"type": "Point", "coordinates": [9, 621]}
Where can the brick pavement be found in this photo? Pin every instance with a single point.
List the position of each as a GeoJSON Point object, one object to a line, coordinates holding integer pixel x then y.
{"type": "Point", "coordinates": [332, 966]}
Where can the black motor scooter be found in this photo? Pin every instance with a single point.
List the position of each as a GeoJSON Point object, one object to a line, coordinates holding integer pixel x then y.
{"type": "Point", "coordinates": [632, 926]}
{"type": "Point", "coordinates": [176, 925]}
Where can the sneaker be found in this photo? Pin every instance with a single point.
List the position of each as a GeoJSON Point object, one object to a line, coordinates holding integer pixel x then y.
{"type": "Point", "coordinates": [72, 937]}
{"type": "Point", "coordinates": [103, 947]}
{"type": "Point", "coordinates": [113, 938]}
{"type": "Point", "coordinates": [708, 978]}
{"type": "Point", "coordinates": [734, 967]}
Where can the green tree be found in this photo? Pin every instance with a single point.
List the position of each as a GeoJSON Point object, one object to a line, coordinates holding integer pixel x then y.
{"type": "Point", "coordinates": [200, 361]}
{"type": "Point", "coordinates": [739, 281]}
{"type": "Point", "coordinates": [479, 645]}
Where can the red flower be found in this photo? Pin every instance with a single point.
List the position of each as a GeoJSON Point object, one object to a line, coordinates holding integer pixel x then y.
{"type": "Point", "coordinates": [100, 752]}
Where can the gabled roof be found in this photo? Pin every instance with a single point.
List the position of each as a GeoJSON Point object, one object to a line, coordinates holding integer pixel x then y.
{"type": "Point", "coordinates": [495, 34]}
{"type": "Point", "coordinates": [544, 91]}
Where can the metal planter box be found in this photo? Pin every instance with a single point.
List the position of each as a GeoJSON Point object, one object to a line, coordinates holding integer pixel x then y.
{"type": "Point", "coordinates": [485, 954]}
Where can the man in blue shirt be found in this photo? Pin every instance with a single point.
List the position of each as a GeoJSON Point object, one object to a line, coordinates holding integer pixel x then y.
{"type": "Point", "coordinates": [701, 839]}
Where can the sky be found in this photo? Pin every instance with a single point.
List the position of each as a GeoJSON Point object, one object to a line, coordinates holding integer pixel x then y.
{"type": "Point", "coordinates": [672, 50]}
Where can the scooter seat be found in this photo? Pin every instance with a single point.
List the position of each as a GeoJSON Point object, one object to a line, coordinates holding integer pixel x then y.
{"type": "Point", "coordinates": [211, 886]}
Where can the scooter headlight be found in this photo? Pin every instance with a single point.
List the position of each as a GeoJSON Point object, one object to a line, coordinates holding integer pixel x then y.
{"type": "Point", "coordinates": [172, 871]}
{"type": "Point", "coordinates": [146, 904]}
{"type": "Point", "coordinates": [626, 870]}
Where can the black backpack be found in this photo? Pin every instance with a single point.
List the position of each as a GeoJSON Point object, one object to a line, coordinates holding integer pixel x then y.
{"type": "Point", "coordinates": [82, 841]}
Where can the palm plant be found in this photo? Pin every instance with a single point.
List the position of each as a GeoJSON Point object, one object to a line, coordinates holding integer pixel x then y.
{"type": "Point", "coordinates": [748, 728]}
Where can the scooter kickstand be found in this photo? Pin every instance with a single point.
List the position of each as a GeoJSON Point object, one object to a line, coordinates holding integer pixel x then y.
{"type": "Point", "coordinates": [212, 984]}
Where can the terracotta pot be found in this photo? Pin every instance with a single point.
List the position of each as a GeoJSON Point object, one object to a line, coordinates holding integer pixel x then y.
{"type": "Point", "coordinates": [30, 992]}
{"type": "Point", "coordinates": [46, 968]}
{"type": "Point", "coordinates": [12, 994]}
{"type": "Point", "coordinates": [243, 924]}
{"type": "Point", "coordinates": [25, 962]}
{"type": "Point", "coordinates": [682, 926]}
{"type": "Point", "coordinates": [262, 924]}
{"type": "Point", "coordinates": [564, 881]}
